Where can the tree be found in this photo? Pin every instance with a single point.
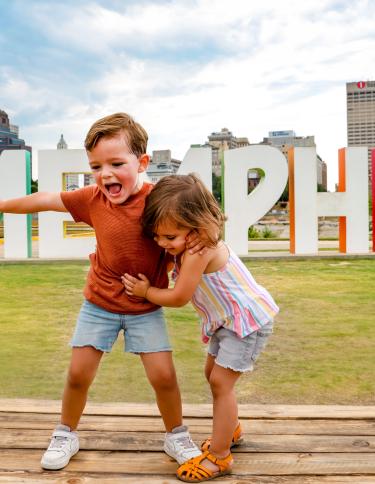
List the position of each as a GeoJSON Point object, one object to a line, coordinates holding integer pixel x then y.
{"type": "Point", "coordinates": [216, 187]}
{"type": "Point", "coordinates": [321, 188]}
{"type": "Point", "coordinates": [285, 195]}
{"type": "Point", "coordinates": [34, 186]}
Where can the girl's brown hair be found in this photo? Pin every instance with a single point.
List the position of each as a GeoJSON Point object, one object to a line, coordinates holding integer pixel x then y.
{"type": "Point", "coordinates": [112, 125]}
{"type": "Point", "coordinates": [185, 201]}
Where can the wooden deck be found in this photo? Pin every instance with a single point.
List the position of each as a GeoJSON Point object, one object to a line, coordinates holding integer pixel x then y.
{"type": "Point", "coordinates": [122, 443]}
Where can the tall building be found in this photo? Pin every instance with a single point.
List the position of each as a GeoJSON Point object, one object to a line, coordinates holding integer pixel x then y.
{"type": "Point", "coordinates": [162, 164]}
{"type": "Point", "coordinates": [71, 180]}
{"type": "Point", "coordinates": [62, 145]}
{"type": "Point", "coordinates": [360, 116]}
{"type": "Point", "coordinates": [283, 140]}
{"type": "Point", "coordinates": [9, 139]}
{"type": "Point", "coordinates": [219, 142]}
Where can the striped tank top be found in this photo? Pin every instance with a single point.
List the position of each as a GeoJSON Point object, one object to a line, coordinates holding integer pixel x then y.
{"type": "Point", "coordinates": [231, 298]}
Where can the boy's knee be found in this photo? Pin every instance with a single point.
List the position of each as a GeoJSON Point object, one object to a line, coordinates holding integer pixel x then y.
{"type": "Point", "coordinates": [77, 379]}
{"type": "Point", "coordinates": [164, 380]}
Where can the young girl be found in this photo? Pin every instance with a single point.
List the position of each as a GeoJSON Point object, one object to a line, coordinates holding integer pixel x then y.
{"type": "Point", "coordinates": [236, 312]}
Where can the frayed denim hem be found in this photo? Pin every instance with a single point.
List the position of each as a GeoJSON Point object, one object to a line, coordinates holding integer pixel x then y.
{"type": "Point", "coordinates": [149, 351]}
{"type": "Point", "coordinates": [92, 346]}
{"type": "Point", "coordinates": [238, 370]}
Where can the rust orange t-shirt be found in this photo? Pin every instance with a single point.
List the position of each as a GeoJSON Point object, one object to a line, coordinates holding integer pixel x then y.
{"type": "Point", "coordinates": [120, 247]}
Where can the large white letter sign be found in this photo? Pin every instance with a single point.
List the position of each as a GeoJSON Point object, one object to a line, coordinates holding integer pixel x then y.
{"type": "Point", "coordinates": [349, 204]}
{"type": "Point", "coordinates": [15, 182]}
{"type": "Point", "coordinates": [353, 184]}
{"type": "Point", "coordinates": [303, 217]}
{"type": "Point", "coordinates": [198, 160]}
{"type": "Point", "coordinates": [53, 164]}
{"type": "Point", "coordinates": [245, 209]}
{"type": "Point", "coordinates": [52, 240]}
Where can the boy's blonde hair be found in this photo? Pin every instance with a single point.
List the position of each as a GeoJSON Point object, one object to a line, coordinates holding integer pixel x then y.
{"type": "Point", "coordinates": [185, 201]}
{"type": "Point", "coordinates": [112, 125]}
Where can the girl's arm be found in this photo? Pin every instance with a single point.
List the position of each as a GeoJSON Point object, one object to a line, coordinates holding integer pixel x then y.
{"type": "Point", "coordinates": [37, 202]}
{"type": "Point", "coordinates": [190, 274]}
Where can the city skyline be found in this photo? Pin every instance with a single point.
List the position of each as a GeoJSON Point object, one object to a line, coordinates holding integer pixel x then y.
{"type": "Point", "coordinates": [184, 69]}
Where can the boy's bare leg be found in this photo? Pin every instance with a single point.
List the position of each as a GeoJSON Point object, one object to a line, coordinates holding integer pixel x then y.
{"type": "Point", "coordinates": [83, 367]}
{"type": "Point", "coordinates": [161, 374]}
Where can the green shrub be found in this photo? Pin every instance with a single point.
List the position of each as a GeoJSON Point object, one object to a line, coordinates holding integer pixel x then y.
{"type": "Point", "coordinates": [253, 233]}
{"type": "Point", "coordinates": [267, 233]}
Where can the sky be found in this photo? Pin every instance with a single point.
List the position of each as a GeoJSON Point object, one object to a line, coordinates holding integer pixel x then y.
{"type": "Point", "coordinates": [184, 69]}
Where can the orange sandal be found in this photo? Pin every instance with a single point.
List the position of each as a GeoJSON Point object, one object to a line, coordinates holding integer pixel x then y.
{"type": "Point", "coordinates": [194, 471]}
{"type": "Point", "coordinates": [237, 439]}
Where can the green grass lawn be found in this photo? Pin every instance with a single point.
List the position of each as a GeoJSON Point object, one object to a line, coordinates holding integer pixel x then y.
{"type": "Point", "coordinates": [322, 350]}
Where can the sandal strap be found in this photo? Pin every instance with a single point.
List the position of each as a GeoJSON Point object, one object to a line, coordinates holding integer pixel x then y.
{"type": "Point", "coordinates": [194, 471]}
{"type": "Point", "coordinates": [222, 464]}
{"type": "Point", "coordinates": [237, 434]}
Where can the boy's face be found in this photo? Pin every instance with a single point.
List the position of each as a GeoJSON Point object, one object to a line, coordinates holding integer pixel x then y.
{"type": "Point", "coordinates": [115, 169]}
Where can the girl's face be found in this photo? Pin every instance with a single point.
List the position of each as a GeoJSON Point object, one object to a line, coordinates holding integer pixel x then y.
{"type": "Point", "coordinates": [171, 237]}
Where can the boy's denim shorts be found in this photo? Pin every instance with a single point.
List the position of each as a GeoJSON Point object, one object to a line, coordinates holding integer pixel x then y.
{"type": "Point", "coordinates": [143, 333]}
{"type": "Point", "coordinates": [238, 354]}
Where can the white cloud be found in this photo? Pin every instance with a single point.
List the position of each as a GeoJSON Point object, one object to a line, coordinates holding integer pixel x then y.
{"type": "Point", "coordinates": [187, 68]}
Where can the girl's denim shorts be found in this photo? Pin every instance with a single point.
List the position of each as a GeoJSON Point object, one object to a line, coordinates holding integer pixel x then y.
{"type": "Point", "coordinates": [238, 354]}
{"type": "Point", "coordinates": [143, 333]}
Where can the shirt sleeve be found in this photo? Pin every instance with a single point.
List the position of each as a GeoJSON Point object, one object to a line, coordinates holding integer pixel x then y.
{"type": "Point", "coordinates": [78, 203]}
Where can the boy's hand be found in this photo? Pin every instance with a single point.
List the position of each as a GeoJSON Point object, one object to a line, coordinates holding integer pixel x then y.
{"type": "Point", "coordinates": [194, 243]}
{"type": "Point", "coordinates": [134, 286]}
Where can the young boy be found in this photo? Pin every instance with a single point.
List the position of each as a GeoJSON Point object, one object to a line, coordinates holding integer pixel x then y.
{"type": "Point", "coordinates": [116, 148]}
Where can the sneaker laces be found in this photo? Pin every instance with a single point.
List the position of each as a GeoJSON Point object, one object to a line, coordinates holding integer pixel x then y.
{"type": "Point", "coordinates": [58, 442]}
{"type": "Point", "coordinates": [185, 442]}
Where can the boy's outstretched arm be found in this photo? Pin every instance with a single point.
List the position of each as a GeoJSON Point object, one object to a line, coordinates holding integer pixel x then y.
{"type": "Point", "coordinates": [37, 202]}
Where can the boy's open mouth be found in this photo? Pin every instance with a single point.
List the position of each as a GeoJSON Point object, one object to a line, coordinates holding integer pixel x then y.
{"type": "Point", "coordinates": [114, 188]}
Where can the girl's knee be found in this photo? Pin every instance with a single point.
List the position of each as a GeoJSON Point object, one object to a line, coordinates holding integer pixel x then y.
{"type": "Point", "coordinates": [218, 386]}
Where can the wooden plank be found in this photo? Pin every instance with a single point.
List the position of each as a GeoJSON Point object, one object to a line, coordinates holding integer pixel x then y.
{"type": "Point", "coordinates": [197, 410]}
{"type": "Point", "coordinates": [158, 464]}
{"type": "Point", "coordinates": [196, 425]}
{"type": "Point", "coordinates": [280, 447]}
{"type": "Point", "coordinates": [65, 477]}
{"type": "Point", "coordinates": [153, 441]}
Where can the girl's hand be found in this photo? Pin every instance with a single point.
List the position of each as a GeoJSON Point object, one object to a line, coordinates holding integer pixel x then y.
{"type": "Point", "coordinates": [134, 286]}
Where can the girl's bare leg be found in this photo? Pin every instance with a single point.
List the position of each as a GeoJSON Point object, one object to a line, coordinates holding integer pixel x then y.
{"type": "Point", "coordinates": [161, 374]}
{"type": "Point", "coordinates": [225, 411]}
{"type": "Point", "coordinates": [210, 362]}
{"type": "Point", "coordinates": [83, 367]}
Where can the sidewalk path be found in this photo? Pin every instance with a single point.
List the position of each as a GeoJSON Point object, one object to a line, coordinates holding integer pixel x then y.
{"type": "Point", "coordinates": [257, 249]}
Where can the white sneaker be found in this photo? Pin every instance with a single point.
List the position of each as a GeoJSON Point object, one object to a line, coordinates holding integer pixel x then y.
{"type": "Point", "coordinates": [64, 444]}
{"type": "Point", "coordinates": [179, 445]}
